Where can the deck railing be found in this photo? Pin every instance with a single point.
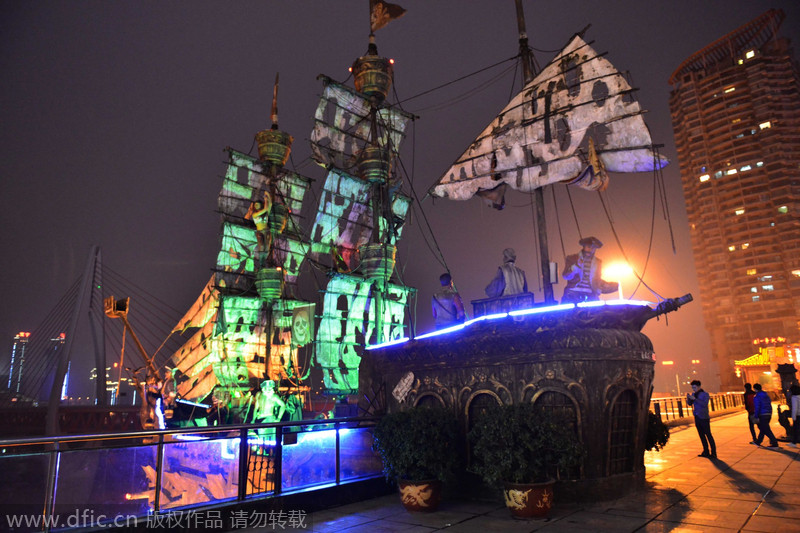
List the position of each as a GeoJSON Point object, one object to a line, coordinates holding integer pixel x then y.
{"type": "Point", "coordinates": [109, 477]}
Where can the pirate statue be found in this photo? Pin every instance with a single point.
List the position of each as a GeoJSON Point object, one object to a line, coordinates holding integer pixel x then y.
{"type": "Point", "coordinates": [582, 272]}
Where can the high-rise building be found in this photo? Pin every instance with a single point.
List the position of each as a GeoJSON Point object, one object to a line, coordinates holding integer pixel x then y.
{"type": "Point", "coordinates": [735, 108]}
{"type": "Point", "coordinates": [17, 366]}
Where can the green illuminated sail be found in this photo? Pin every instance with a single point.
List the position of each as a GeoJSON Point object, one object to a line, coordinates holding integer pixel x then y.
{"type": "Point", "coordinates": [240, 340]}
{"type": "Point", "coordinates": [244, 181]}
{"type": "Point", "coordinates": [348, 323]}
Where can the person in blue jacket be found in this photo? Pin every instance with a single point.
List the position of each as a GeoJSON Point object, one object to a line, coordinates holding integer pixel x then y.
{"type": "Point", "coordinates": [702, 419]}
{"type": "Point", "coordinates": [763, 410]}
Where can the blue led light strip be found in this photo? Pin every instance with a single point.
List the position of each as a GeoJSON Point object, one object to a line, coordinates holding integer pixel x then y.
{"type": "Point", "coordinates": [521, 312]}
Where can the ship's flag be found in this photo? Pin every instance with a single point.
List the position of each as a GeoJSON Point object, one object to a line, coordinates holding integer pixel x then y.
{"type": "Point", "coordinates": [382, 13]}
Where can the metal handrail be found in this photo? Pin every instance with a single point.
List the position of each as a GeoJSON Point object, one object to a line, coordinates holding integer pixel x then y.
{"type": "Point", "coordinates": [675, 407]}
{"type": "Point", "coordinates": [178, 431]}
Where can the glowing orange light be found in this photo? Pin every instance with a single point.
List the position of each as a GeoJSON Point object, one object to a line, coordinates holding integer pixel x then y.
{"type": "Point", "coordinates": [391, 61]}
{"type": "Point", "coordinates": [668, 363]}
{"type": "Point", "coordinates": [350, 69]}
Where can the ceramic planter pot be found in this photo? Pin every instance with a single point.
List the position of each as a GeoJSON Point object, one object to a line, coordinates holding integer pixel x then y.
{"type": "Point", "coordinates": [529, 500]}
{"type": "Point", "coordinates": [420, 496]}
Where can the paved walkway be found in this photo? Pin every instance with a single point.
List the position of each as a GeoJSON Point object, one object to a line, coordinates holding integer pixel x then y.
{"type": "Point", "coordinates": [747, 488]}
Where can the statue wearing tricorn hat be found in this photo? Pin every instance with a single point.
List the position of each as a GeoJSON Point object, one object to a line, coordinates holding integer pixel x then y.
{"type": "Point", "coordinates": [583, 271]}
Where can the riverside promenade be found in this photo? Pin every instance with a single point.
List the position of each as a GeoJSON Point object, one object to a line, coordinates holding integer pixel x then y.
{"type": "Point", "coordinates": [748, 488]}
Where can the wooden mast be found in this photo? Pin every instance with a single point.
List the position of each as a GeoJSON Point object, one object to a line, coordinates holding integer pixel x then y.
{"type": "Point", "coordinates": [538, 193]}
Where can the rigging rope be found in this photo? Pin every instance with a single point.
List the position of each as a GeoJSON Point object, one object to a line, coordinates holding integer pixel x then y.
{"type": "Point", "coordinates": [537, 246]}
{"type": "Point", "coordinates": [457, 80]}
{"type": "Point", "coordinates": [574, 214]}
{"type": "Point", "coordinates": [558, 223]}
{"type": "Point", "coordinates": [622, 249]}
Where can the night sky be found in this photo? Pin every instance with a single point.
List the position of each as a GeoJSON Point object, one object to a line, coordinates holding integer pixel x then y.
{"type": "Point", "coordinates": [114, 117]}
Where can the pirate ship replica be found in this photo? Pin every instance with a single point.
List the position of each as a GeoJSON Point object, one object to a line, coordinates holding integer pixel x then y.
{"type": "Point", "coordinates": [572, 123]}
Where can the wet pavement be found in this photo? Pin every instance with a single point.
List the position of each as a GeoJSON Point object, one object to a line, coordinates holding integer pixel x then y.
{"type": "Point", "coordinates": [748, 488]}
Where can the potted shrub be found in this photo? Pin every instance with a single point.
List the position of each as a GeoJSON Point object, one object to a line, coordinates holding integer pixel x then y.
{"type": "Point", "coordinates": [657, 433]}
{"type": "Point", "coordinates": [419, 448]}
{"type": "Point", "coordinates": [524, 450]}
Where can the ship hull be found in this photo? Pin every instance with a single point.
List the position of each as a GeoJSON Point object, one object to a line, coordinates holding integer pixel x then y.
{"type": "Point", "coordinates": [592, 366]}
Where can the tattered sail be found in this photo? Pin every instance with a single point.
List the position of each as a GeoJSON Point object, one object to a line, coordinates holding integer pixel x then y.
{"type": "Point", "coordinates": [348, 324]}
{"type": "Point", "coordinates": [245, 180]}
{"type": "Point", "coordinates": [344, 221]}
{"type": "Point", "coordinates": [543, 135]}
{"type": "Point", "coordinates": [239, 340]}
{"type": "Point", "coordinates": [342, 126]}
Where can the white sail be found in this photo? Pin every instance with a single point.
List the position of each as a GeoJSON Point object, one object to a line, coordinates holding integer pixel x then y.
{"type": "Point", "coordinates": [342, 126]}
{"type": "Point", "coordinates": [542, 136]}
{"type": "Point", "coordinates": [345, 220]}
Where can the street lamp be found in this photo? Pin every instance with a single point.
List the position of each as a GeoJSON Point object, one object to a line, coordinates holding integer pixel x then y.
{"type": "Point", "coordinates": [618, 271]}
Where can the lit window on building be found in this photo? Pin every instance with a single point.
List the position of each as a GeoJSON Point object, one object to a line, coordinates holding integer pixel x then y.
{"type": "Point", "coordinates": [739, 136]}
{"type": "Point", "coordinates": [764, 125]}
{"type": "Point", "coordinates": [753, 289]}
{"type": "Point", "coordinates": [783, 209]}
{"type": "Point", "coordinates": [731, 172]}
{"type": "Point", "coordinates": [731, 248]}
{"type": "Point", "coordinates": [796, 273]}
{"type": "Point", "coordinates": [736, 121]}
{"type": "Point", "coordinates": [704, 177]}
{"type": "Point", "coordinates": [730, 90]}
{"type": "Point", "coordinates": [751, 271]}
{"type": "Point", "coordinates": [768, 287]}
{"type": "Point", "coordinates": [718, 174]}
{"type": "Point", "coordinates": [760, 164]}
{"type": "Point", "coordinates": [745, 168]}
{"type": "Point", "coordinates": [739, 212]}
{"type": "Point", "coordinates": [741, 62]}
{"type": "Point", "coordinates": [745, 246]}
{"type": "Point", "coordinates": [750, 54]}
{"type": "Point", "coordinates": [756, 298]}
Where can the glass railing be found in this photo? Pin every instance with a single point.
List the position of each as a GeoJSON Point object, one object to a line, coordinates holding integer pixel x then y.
{"type": "Point", "coordinates": [106, 479]}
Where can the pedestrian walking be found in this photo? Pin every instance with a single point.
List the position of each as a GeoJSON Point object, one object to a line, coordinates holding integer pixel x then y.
{"type": "Point", "coordinates": [763, 410]}
{"type": "Point", "coordinates": [698, 399]}
{"type": "Point", "coordinates": [795, 390]}
{"type": "Point", "coordinates": [752, 419]}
